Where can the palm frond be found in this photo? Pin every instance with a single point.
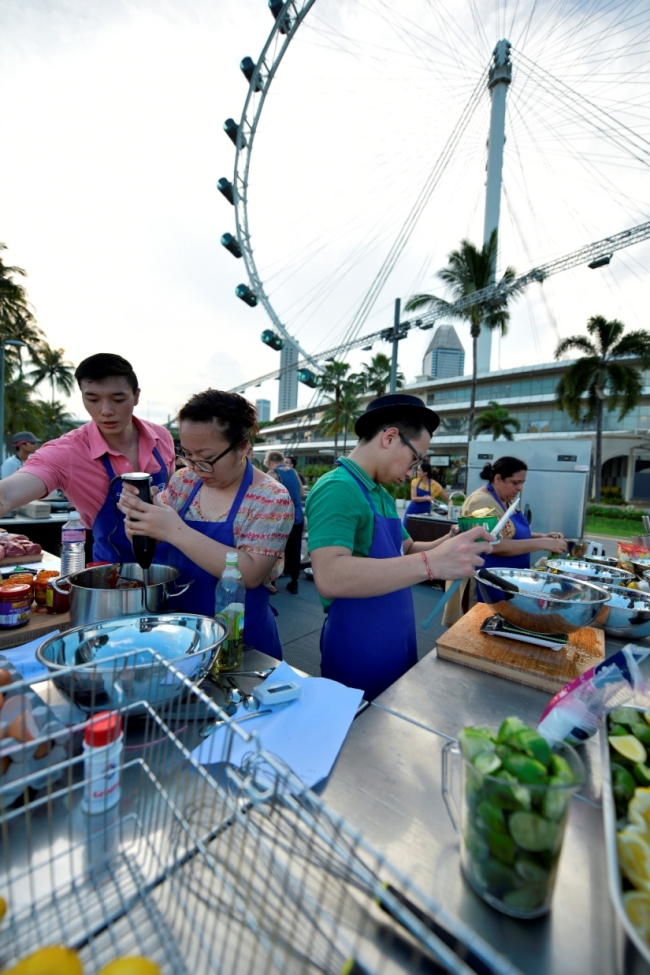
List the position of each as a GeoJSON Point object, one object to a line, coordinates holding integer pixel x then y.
{"type": "Point", "coordinates": [579, 342]}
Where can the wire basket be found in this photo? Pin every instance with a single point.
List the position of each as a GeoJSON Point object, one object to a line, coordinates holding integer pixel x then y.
{"type": "Point", "coordinates": [219, 869]}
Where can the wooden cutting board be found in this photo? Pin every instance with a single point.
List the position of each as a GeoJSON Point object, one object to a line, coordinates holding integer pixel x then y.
{"type": "Point", "coordinates": [40, 624]}
{"type": "Point", "coordinates": [549, 670]}
{"type": "Point", "coordinates": [20, 559]}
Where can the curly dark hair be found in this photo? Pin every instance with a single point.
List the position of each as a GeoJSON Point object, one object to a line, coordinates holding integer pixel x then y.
{"type": "Point", "coordinates": [234, 416]}
{"type": "Point", "coordinates": [504, 467]}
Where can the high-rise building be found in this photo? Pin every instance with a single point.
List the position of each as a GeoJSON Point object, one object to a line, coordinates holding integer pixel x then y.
{"type": "Point", "coordinates": [263, 407]}
{"type": "Point", "coordinates": [288, 392]}
{"type": "Point", "coordinates": [445, 355]}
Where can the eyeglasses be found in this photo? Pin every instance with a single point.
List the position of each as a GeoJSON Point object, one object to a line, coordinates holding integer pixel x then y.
{"type": "Point", "coordinates": [408, 443]}
{"type": "Point", "coordinates": [205, 466]}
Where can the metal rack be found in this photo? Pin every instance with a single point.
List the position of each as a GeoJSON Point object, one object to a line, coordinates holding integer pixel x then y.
{"type": "Point", "coordinates": [221, 869]}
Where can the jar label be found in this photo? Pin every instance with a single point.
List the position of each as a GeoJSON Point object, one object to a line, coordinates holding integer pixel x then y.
{"type": "Point", "coordinates": [13, 619]}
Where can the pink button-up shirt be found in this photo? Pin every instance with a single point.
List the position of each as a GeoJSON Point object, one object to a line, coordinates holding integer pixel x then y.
{"type": "Point", "coordinates": [73, 463]}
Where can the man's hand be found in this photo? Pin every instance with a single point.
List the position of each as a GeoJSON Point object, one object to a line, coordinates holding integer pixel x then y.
{"type": "Point", "coordinates": [460, 556]}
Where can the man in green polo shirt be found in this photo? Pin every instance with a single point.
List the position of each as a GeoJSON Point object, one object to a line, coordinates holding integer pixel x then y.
{"type": "Point", "coordinates": [364, 561]}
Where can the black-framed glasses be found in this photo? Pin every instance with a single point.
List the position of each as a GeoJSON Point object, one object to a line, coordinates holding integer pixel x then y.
{"type": "Point", "coordinates": [408, 443]}
{"type": "Point", "coordinates": [205, 466]}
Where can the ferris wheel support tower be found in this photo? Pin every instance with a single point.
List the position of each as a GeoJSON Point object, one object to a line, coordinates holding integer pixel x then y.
{"type": "Point", "coordinates": [498, 81]}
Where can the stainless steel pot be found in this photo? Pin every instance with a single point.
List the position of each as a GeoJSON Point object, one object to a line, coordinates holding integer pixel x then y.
{"type": "Point", "coordinates": [106, 592]}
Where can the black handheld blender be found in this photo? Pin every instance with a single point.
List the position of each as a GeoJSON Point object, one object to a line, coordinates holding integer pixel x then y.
{"type": "Point", "coordinates": [144, 547]}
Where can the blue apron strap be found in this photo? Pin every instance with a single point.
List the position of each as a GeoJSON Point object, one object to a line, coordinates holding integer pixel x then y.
{"type": "Point", "coordinates": [190, 498]}
{"type": "Point", "coordinates": [363, 489]}
{"type": "Point", "coordinates": [163, 468]}
{"type": "Point", "coordinates": [247, 480]}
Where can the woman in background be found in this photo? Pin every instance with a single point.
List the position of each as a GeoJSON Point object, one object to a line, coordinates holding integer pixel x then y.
{"type": "Point", "coordinates": [423, 490]}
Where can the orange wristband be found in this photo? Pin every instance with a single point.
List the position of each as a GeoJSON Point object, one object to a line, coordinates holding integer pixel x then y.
{"type": "Point", "coordinates": [426, 562]}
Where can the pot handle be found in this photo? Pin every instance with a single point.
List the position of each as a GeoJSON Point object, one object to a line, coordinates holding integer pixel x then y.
{"type": "Point", "coordinates": [64, 592]}
{"type": "Point", "coordinates": [173, 595]}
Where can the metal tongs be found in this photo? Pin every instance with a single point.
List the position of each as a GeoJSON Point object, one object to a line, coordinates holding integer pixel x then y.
{"type": "Point", "coordinates": [454, 586]}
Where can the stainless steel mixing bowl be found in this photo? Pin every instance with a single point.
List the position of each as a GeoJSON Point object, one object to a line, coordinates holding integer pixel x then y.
{"type": "Point", "coordinates": [115, 665]}
{"type": "Point", "coordinates": [626, 614]}
{"type": "Point", "coordinates": [601, 575]}
{"type": "Point", "coordinates": [545, 603]}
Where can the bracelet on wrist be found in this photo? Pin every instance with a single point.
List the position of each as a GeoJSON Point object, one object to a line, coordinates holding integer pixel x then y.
{"type": "Point", "coordinates": [426, 562]}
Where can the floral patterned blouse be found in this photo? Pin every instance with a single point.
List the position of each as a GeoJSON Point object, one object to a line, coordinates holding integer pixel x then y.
{"type": "Point", "coordinates": [264, 519]}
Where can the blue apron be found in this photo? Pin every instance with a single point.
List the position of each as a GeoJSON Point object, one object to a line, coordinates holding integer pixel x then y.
{"type": "Point", "coordinates": [110, 542]}
{"type": "Point", "coordinates": [417, 507]}
{"type": "Point", "coordinates": [260, 630]}
{"type": "Point", "coordinates": [369, 643]}
{"type": "Point", "coordinates": [522, 530]}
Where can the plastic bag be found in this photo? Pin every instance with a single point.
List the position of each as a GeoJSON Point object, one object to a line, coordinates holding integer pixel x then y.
{"type": "Point", "coordinates": [573, 714]}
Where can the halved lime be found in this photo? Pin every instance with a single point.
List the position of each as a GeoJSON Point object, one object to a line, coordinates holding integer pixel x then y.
{"type": "Point", "coordinates": [509, 728]}
{"type": "Point", "coordinates": [533, 833]}
{"type": "Point", "coordinates": [490, 813]}
{"type": "Point", "coordinates": [629, 747]}
{"type": "Point", "coordinates": [556, 800]}
{"type": "Point", "coordinates": [561, 768]}
{"type": "Point", "coordinates": [527, 770]}
{"type": "Point", "coordinates": [502, 847]}
{"type": "Point", "coordinates": [527, 867]}
{"type": "Point", "coordinates": [474, 741]}
{"type": "Point", "coordinates": [488, 762]}
{"type": "Point", "coordinates": [532, 744]}
{"type": "Point", "coordinates": [526, 898]}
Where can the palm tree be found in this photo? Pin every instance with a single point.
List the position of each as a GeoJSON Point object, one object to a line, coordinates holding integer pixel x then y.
{"type": "Point", "coordinates": [497, 420]}
{"type": "Point", "coordinates": [21, 413]}
{"type": "Point", "coordinates": [332, 380]}
{"type": "Point", "coordinates": [49, 364]}
{"type": "Point", "coordinates": [375, 377]}
{"type": "Point", "coordinates": [469, 270]}
{"type": "Point", "coordinates": [16, 318]}
{"type": "Point", "coordinates": [603, 376]}
{"type": "Point", "coordinates": [55, 419]}
{"type": "Point", "coordinates": [349, 411]}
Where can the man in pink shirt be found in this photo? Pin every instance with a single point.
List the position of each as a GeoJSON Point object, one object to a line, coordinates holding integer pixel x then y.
{"type": "Point", "coordinates": [83, 462]}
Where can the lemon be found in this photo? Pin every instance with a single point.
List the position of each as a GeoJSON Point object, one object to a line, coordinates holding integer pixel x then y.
{"type": "Point", "coordinates": [54, 960]}
{"type": "Point", "coordinates": [638, 811]}
{"type": "Point", "coordinates": [629, 747]}
{"type": "Point", "coordinates": [634, 857]}
{"type": "Point", "coordinates": [637, 906]}
{"type": "Point", "coordinates": [131, 965]}
{"type": "Point", "coordinates": [3, 907]}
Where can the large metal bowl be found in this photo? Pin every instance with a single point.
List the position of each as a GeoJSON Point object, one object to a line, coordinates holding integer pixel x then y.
{"type": "Point", "coordinates": [627, 613]}
{"type": "Point", "coordinates": [601, 575]}
{"type": "Point", "coordinates": [115, 663]}
{"type": "Point", "coordinates": [545, 603]}
{"type": "Point", "coordinates": [641, 565]}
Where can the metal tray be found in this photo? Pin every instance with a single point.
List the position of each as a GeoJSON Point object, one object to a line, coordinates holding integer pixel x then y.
{"type": "Point", "coordinates": [613, 869]}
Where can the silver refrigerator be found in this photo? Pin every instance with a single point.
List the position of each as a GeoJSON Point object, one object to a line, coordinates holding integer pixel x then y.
{"type": "Point", "coordinates": [555, 495]}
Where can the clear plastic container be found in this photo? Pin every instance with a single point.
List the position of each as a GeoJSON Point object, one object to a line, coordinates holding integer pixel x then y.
{"type": "Point", "coordinates": [73, 545]}
{"type": "Point", "coordinates": [229, 602]}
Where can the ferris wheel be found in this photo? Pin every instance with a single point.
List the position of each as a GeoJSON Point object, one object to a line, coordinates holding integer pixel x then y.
{"type": "Point", "coordinates": [578, 131]}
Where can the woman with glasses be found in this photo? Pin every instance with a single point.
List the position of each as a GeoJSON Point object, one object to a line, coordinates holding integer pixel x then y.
{"type": "Point", "coordinates": [423, 490]}
{"type": "Point", "coordinates": [216, 503]}
{"type": "Point", "coordinates": [363, 559]}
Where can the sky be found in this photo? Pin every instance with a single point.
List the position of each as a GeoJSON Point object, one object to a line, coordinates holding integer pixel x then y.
{"type": "Point", "coordinates": [113, 144]}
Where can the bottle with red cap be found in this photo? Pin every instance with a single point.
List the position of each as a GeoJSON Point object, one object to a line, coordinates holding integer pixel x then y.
{"type": "Point", "coordinates": [102, 747]}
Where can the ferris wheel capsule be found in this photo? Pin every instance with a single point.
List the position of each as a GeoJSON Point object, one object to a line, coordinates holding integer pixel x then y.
{"type": "Point", "coordinates": [248, 69]}
{"type": "Point", "coordinates": [231, 129]}
{"type": "Point", "coordinates": [225, 188]}
{"type": "Point", "coordinates": [275, 6]}
{"type": "Point", "coordinates": [244, 292]}
{"type": "Point", "coordinates": [231, 244]}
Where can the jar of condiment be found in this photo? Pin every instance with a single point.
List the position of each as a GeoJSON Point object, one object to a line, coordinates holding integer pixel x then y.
{"type": "Point", "coordinates": [15, 604]}
{"type": "Point", "coordinates": [26, 577]}
{"type": "Point", "coordinates": [41, 582]}
{"type": "Point", "coordinates": [55, 601]}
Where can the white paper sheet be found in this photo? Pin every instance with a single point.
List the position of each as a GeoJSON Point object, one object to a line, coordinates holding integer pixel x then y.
{"type": "Point", "coordinates": [306, 734]}
{"type": "Point", "coordinates": [24, 659]}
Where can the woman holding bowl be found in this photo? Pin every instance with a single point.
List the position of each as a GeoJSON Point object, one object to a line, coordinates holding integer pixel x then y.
{"type": "Point", "coordinates": [423, 490]}
{"type": "Point", "coordinates": [216, 503]}
{"type": "Point", "coordinates": [505, 480]}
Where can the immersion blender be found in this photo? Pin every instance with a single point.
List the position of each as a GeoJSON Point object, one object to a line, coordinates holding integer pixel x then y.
{"type": "Point", "coordinates": [143, 547]}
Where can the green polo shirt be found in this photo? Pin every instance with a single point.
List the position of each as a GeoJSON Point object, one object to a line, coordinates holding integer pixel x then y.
{"type": "Point", "coordinates": [339, 514]}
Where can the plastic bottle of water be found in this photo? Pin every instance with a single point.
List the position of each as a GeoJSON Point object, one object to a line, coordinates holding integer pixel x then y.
{"type": "Point", "coordinates": [229, 599]}
{"type": "Point", "coordinates": [73, 545]}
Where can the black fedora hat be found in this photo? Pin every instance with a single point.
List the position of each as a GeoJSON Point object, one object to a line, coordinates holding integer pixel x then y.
{"type": "Point", "coordinates": [398, 408]}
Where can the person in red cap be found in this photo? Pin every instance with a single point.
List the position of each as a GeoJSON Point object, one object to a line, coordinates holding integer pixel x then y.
{"type": "Point", "coordinates": [364, 561]}
{"type": "Point", "coordinates": [24, 444]}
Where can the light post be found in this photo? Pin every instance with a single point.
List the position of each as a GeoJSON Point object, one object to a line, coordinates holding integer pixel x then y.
{"type": "Point", "coordinates": [3, 343]}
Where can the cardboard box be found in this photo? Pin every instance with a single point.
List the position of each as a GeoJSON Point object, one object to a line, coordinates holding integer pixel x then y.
{"type": "Point", "coordinates": [36, 509]}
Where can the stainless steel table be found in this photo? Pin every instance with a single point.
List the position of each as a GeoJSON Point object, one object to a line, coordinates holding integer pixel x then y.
{"type": "Point", "coordinates": [387, 782]}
